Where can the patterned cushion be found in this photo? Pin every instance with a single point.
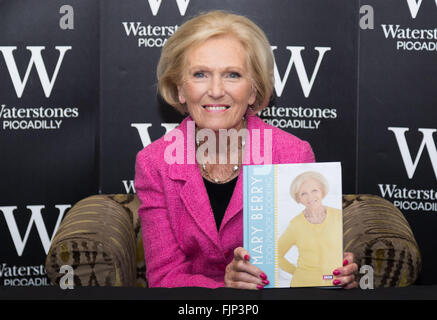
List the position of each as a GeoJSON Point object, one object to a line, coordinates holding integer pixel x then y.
{"type": "Point", "coordinates": [379, 235]}
{"type": "Point", "coordinates": [131, 204]}
{"type": "Point", "coordinates": [98, 238]}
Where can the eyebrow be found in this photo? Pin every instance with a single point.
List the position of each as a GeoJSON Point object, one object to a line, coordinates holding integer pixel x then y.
{"type": "Point", "coordinates": [229, 68]}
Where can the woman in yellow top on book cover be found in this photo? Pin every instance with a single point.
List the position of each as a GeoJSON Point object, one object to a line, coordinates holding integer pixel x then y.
{"type": "Point", "coordinates": [317, 232]}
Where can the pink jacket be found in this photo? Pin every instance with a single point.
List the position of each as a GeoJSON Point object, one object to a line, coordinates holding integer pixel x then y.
{"type": "Point", "coordinates": [181, 243]}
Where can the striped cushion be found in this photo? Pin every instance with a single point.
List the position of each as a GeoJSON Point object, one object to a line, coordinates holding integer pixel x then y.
{"type": "Point", "coordinates": [379, 235]}
{"type": "Point", "coordinates": [100, 238]}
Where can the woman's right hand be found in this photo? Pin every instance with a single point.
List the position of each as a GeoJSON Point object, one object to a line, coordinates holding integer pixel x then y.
{"type": "Point", "coordinates": [241, 274]}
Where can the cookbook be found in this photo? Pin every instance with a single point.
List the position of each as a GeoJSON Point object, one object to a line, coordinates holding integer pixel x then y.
{"type": "Point", "coordinates": [293, 222]}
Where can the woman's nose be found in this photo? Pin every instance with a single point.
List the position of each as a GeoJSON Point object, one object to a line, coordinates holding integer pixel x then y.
{"type": "Point", "coordinates": [216, 89]}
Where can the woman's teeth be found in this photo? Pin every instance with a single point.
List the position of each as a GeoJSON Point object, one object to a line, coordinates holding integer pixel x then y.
{"type": "Point", "coordinates": [215, 108]}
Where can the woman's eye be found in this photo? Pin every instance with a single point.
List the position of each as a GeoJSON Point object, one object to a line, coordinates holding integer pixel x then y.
{"type": "Point", "coordinates": [199, 75]}
{"type": "Point", "coordinates": [234, 75]}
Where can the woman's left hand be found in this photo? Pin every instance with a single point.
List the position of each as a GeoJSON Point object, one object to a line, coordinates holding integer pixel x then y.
{"type": "Point", "coordinates": [345, 276]}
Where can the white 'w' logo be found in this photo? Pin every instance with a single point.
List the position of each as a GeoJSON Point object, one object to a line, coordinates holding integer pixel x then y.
{"type": "Point", "coordinates": [35, 218]}
{"type": "Point", "coordinates": [414, 6]}
{"type": "Point", "coordinates": [35, 59]}
{"type": "Point", "coordinates": [296, 59]}
{"type": "Point", "coordinates": [427, 141]}
{"type": "Point", "coordinates": [155, 4]}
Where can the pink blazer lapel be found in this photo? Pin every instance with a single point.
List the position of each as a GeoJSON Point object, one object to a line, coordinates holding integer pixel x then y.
{"type": "Point", "coordinates": [193, 193]}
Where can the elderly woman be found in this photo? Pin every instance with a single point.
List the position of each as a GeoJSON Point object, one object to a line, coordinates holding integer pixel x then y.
{"type": "Point", "coordinates": [316, 232]}
{"type": "Point", "coordinates": [218, 69]}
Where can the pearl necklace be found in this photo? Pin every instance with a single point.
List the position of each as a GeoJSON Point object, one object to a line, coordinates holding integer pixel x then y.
{"type": "Point", "coordinates": [205, 172]}
{"type": "Point", "coordinates": [236, 168]}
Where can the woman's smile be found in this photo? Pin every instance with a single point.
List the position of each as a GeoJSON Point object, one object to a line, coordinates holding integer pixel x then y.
{"type": "Point", "coordinates": [216, 107]}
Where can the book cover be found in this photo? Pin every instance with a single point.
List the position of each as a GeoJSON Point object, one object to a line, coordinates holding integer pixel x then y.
{"type": "Point", "coordinates": [293, 222]}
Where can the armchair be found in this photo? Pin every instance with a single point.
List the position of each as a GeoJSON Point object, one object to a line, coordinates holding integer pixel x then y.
{"type": "Point", "coordinates": [100, 238]}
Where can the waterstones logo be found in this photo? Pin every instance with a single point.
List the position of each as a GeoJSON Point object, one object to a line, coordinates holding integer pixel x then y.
{"type": "Point", "coordinates": [427, 142]}
{"type": "Point", "coordinates": [423, 200]}
{"type": "Point", "coordinates": [296, 60]}
{"type": "Point", "coordinates": [35, 118]}
{"type": "Point", "coordinates": [156, 4]}
{"type": "Point", "coordinates": [40, 118]}
{"type": "Point", "coordinates": [16, 276]}
{"type": "Point", "coordinates": [35, 219]}
{"type": "Point", "coordinates": [149, 36]}
{"type": "Point", "coordinates": [412, 39]}
{"type": "Point", "coordinates": [414, 6]}
{"type": "Point", "coordinates": [36, 60]}
{"type": "Point", "coordinates": [298, 117]}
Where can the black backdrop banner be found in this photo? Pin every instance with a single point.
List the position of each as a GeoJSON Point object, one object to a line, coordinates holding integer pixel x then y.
{"type": "Point", "coordinates": [49, 101]}
{"type": "Point", "coordinates": [78, 100]}
{"type": "Point", "coordinates": [397, 156]}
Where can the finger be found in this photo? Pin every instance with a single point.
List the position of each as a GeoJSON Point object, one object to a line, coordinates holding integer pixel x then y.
{"type": "Point", "coordinates": [247, 277]}
{"type": "Point", "coordinates": [235, 279]}
{"type": "Point", "coordinates": [246, 266]}
{"type": "Point", "coordinates": [242, 257]}
{"type": "Point", "coordinates": [342, 281]}
{"type": "Point", "coordinates": [245, 285]}
{"type": "Point", "coordinates": [348, 258]}
{"type": "Point", "coordinates": [351, 285]}
{"type": "Point", "coordinates": [350, 269]}
{"type": "Point", "coordinates": [241, 254]}
{"type": "Point", "coordinates": [347, 270]}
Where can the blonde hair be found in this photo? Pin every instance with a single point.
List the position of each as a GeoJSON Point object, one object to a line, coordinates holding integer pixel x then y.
{"type": "Point", "coordinates": [203, 27]}
{"type": "Point", "coordinates": [303, 177]}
